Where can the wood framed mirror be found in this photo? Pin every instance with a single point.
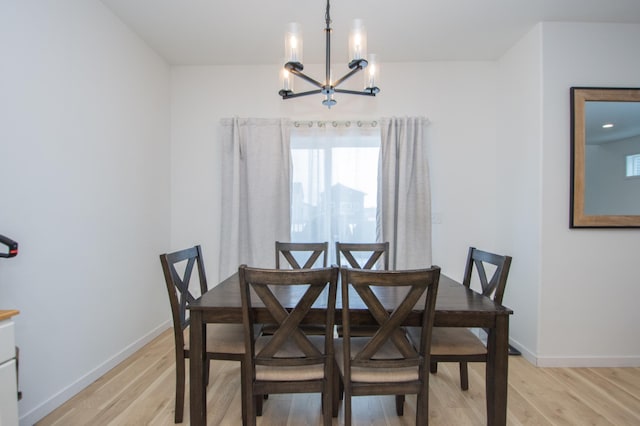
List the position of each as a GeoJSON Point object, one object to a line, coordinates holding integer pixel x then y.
{"type": "Point", "coordinates": [605, 157]}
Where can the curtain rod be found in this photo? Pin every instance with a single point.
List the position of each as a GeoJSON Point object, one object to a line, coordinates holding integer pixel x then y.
{"type": "Point", "coordinates": [317, 123]}
{"type": "Point", "coordinates": [335, 123]}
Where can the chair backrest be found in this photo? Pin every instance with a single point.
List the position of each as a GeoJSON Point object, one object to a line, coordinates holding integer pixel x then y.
{"type": "Point", "coordinates": [390, 334]}
{"type": "Point", "coordinates": [289, 345]}
{"type": "Point", "coordinates": [494, 286]}
{"type": "Point", "coordinates": [309, 252]}
{"type": "Point", "coordinates": [363, 255]}
{"type": "Point", "coordinates": [178, 280]}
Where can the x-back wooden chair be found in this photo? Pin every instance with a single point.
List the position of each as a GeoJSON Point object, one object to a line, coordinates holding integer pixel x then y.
{"type": "Point", "coordinates": [289, 360]}
{"type": "Point", "coordinates": [364, 255]}
{"type": "Point", "coordinates": [313, 255]}
{"type": "Point", "coordinates": [387, 362]}
{"type": "Point", "coordinates": [311, 252]}
{"type": "Point", "coordinates": [224, 341]}
{"type": "Point", "coordinates": [457, 344]}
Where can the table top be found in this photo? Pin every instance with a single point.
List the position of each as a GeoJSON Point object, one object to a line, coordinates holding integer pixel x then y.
{"type": "Point", "coordinates": [456, 305]}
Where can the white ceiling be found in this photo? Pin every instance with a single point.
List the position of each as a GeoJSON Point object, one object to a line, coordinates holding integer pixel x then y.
{"type": "Point", "coordinates": [234, 32]}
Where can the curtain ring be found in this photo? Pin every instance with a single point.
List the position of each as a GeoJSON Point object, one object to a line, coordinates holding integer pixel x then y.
{"type": "Point", "coordinates": [347, 124]}
{"type": "Point", "coordinates": [320, 124]}
{"type": "Point", "coordinates": [374, 123]}
{"type": "Point", "coordinates": [297, 124]}
{"type": "Point", "coordinates": [335, 124]}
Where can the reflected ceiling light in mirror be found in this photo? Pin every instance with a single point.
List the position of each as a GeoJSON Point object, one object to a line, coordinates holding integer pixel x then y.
{"type": "Point", "coordinates": [607, 125]}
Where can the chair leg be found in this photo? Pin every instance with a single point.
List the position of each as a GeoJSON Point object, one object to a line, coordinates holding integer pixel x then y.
{"type": "Point", "coordinates": [180, 374]}
{"type": "Point", "coordinates": [248, 401]}
{"type": "Point", "coordinates": [327, 405]}
{"type": "Point", "coordinates": [400, 405]}
{"type": "Point", "coordinates": [464, 376]}
{"type": "Point", "coordinates": [328, 392]}
{"type": "Point", "coordinates": [207, 368]}
{"type": "Point", "coordinates": [258, 402]}
{"type": "Point", "coordinates": [243, 392]}
{"type": "Point", "coordinates": [347, 408]}
{"type": "Point", "coordinates": [422, 408]}
{"type": "Point", "coordinates": [433, 367]}
{"type": "Point", "coordinates": [335, 394]}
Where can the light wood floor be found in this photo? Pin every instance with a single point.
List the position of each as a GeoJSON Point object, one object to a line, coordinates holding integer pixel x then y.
{"type": "Point", "coordinates": [140, 391]}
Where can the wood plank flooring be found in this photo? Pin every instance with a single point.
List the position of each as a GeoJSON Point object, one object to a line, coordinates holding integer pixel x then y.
{"type": "Point", "coordinates": [140, 391]}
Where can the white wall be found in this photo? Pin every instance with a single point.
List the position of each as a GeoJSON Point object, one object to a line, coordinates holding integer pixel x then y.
{"type": "Point", "coordinates": [84, 160]}
{"type": "Point", "coordinates": [519, 127]}
{"type": "Point", "coordinates": [459, 98]}
{"type": "Point", "coordinates": [572, 291]}
{"type": "Point", "coordinates": [589, 282]}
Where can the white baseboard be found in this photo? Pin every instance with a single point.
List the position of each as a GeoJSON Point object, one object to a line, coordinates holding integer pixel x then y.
{"type": "Point", "coordinates": [576, 361]}
{"type": "Point", "coordinates": [526, 353]}
{"type": "Point", "coordinates": [588, 361]}
{"type": "Point", "coordinates": [67, 393]}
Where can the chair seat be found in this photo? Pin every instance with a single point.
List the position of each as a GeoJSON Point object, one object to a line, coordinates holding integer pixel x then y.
{"type": "Point", "coordinates": [222, 338]}
{"type": "Point", "coordinates": [453, 341]}
{"type": "Point", "coordinates": [288, 373]}
{"type": "Point", "coordinates": [373, 374]}
{"type": "Point", "coordinates": [359, 330]}
{"type": "Point", "coordinates": [318, 329]}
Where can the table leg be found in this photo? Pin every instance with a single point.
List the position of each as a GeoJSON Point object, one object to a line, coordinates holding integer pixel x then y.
{"type": "Point", "coordinates": [197, 358]}
{"type": "Point", "coordinates": [497, 370]}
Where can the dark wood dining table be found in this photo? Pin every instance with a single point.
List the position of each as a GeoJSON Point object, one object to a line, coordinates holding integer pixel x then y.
{"type": "Point", "coordinates": [456, 306]}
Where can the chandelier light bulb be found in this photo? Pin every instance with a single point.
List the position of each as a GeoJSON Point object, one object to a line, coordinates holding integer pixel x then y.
{"type": "Point", "coordinates": [286, 79]}
{"type": "Point", "coordinates": [293, 43]}
{"type": "Point", "coordinates": [372, 74]}
{"type": "Point", "coordinates": [357, 41]}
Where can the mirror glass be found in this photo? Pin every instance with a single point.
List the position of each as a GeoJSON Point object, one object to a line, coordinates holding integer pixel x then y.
{"type": "Point", "coordinates": [605, 190]}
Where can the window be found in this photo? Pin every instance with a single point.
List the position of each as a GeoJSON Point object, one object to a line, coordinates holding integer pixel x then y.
{"type": "Point", "coordinates": [633, 165]}
{"type": "Point", "coordinates": [334, 191]}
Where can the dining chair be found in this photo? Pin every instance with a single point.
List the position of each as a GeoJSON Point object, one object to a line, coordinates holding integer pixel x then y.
{"type": "Point", "coordinates": [363, 255]}
{"type": "Point", "coordinates": [310, 253]}
{"type": "Point", "coordinates": [458, 344]}
{"type": "Point", "coordinates": [224, 341]}
{"type": "Point", "coordinates": [387, 362]}
{"type": "Point", "coordinates": [289, 360]}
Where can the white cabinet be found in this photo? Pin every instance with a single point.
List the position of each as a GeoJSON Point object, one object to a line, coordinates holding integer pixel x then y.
{"type": "Point", "coordinates": [8, 382]}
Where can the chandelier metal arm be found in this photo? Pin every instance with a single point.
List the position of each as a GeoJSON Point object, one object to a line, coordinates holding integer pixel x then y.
{"type": "Point", "coordinates": [287, 94]}
{"type": "Point", "coordinates": [296, 71]}
{"type": "Point", "coordinates": [356, 92]}
{"type": "Point", "coordinates": [349, 74]}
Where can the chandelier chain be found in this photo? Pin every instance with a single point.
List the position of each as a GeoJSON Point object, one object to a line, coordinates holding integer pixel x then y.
{"type": "Point", "coordinates": [327, 16]}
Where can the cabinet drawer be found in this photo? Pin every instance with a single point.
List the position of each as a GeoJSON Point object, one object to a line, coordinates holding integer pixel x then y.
{"type": "Point", "coordinates": [7, 340]}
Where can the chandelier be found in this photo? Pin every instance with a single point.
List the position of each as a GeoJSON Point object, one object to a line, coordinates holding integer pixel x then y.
{"type": "Point", "coordinates": [358, 61]}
